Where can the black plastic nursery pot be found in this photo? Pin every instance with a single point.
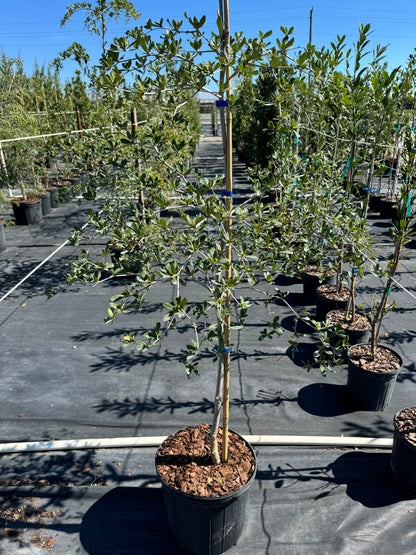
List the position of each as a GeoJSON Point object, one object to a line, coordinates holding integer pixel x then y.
{"type": "Point", "coordinates": [45, 201]}
{"type": "Point", "coordinates": [311, 281]}
{"type": "Point", "coordinates": [374, 202]}
{"type": "Point", "coordinates": [325, 304]}
{"type": "Point", "coordinates": [206, 525]}
{"type": "Point", "coordinates": [403, 456]}
{"type": "Point", "coordinates": [370, 390]}
{"type": "Point", "coordinates": [355, 336]}
{"type": "Point", "coordinates": [54, 196]}
{"type": "Point", "coordinates": [27, 212]}
{"type": "Point", "coordinates": [2, 236]}
{"type": "Point", "coordinates": [386, 208]}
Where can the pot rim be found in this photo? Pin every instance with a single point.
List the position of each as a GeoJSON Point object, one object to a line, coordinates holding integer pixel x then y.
{"type": "Point", "coordinates": [20, 200]}
{"type": "Point", "coordinates": [211, 499]}
{"type": "Point", "coordinates": [366, 317]}
{"type": "Point", "coordinates": [391, 372]}
{"type": "Point", "coordinates": [402, 434]}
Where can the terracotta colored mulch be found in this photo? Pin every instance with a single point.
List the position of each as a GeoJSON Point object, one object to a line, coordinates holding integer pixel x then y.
{"type": "Point", "coordinates": [314, 271]}
{"type": "Point", "coordinates": [184, 463]}
{"type": "Point", "coordinates": [61, 183]}
{"type": "Point", "coordinates": [384, 359]}
{"type": "Point", "coordinates": [22, 200]}
{"type": "Point", "coordinates": [406, 424]}
{"type": "Point", "coordinates": [360, 322]}
{"type": "Point", "coordinates": [330, 292]}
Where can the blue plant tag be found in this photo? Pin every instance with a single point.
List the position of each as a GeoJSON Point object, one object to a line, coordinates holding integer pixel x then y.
{"type": "Point", "coordinates": [221, 103]}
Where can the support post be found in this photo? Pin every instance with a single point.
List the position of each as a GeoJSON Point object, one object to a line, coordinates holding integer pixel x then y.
{"type": "Point", "coordinates": [133, 119]}
{"type": "Point", "coordinates": [228, 228]}
{"type": "Point", "coordinates": [79, 122]}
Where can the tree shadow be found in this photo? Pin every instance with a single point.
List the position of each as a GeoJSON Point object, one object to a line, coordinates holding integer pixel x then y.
{"type": "Point", "coordinates": [402, 337]}
{"type": "Point", "coordinates": [287, 280]}
{"type": "Point", "coordinates": [48, 277]}
{"type": "Point", "coordinates": [378, 426]}
{"type": "Point", "coordinates": [29, 518]}
{"type": "Point", "coordinates": [135, 407]}
{"type": "Point", "coordinates": [302, 355]}
{"type": "Point", "coordinates": [293, 298]}
{"type": "Point", "coordinates": [365, 475]}
{"type": "Point", "coordinates": [408, 374]}
{"type": "Point", "coordinates": [297, 325]}
{"type": "Point", "coordinates": [323, 399]}
{"type": "Point", "coordinates": [128, 520]}
{"type": "Point", "coordinates": [63, 468]}
{"type": "Point", "coordinates": [123, 360]}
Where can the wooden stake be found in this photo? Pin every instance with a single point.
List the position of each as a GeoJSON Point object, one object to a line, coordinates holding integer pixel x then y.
{"type": "Point", "coordinates": [228, 229]}
{"type": "Point", "coordinates": [79, 122]}
{"type": "Point", "coordinates": [133, 118]}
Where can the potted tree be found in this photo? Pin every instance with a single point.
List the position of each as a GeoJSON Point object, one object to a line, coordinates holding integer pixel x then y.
{"type": "Point", "coordinates": [217, 243]}
{"type": "Point", "coordinates": [18, 157]}
{"type": "Point", "coordinates": [373, 368]}
{"type": "Point", "coordinates": [403, 457]}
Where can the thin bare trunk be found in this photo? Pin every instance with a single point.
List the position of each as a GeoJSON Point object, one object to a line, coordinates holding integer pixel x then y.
{"type": "Point", "coordinates": [215, 456]}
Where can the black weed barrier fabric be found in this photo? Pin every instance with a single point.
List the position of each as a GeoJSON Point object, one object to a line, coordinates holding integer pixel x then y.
{"type": "Point", "coordinates": [65, 375]}
{"type": "Point", "coordinates": [302, 501]}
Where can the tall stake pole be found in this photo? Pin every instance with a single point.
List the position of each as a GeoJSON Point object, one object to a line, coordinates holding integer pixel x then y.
{"type": "Point", "coordinates": [228, 225]}
{"type": "Point", "coordinates": [310, 40]}
{"type": "Point", "coordinates": [133, 118]}
{"type": "Point", "coordinates": [310, 25]}
{"type": "Point", "coordinates": [3, 166]}
{"type": "Point", "coordinates": [79, 122]}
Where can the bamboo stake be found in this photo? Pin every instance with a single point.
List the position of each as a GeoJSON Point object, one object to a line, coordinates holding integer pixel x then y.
{"type": "Point", "coordinates": [79, 122]}
{"type": "Point", "coordinates": [228, 226]}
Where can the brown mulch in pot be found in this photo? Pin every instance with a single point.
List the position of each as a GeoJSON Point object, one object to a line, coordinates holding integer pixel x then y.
{"type": "Point", "coordinates": [184, 463]}
{"type": "Point", "coordinates": [330, 292]}
{"type": "Point", "coordinates": [406, 424]}
{"type": "Point", "coordinates": [360, 321]}
{"type": "Point", "coordinates": [384, 359]}
{"type": "Point", "coordinates": [22, 200]}
{"type": "Point", "coordinates": [315, 271]}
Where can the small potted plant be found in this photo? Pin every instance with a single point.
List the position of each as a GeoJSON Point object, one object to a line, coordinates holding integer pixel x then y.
{"type": "Point", "coordinates": [27, 207]}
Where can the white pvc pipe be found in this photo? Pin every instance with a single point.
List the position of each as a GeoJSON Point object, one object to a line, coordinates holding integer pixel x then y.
{"type": "Point", "coordinates": [27, 276]}
{"type": "Point", "coordinates": [155, 441]}
{"type": "Point", "coordinates": [52, 134]}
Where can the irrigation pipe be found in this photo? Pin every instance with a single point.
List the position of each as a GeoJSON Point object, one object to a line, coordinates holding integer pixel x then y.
{"type": "Point", "coordinates": [53, 134]}
{"type": "Point", "coordinates": [37, 267]}
{"type": "Point", "coordinates": [155, 441]}
{"type": "Point", "coordinates": [359, 143]}
{"type": "Point", "coordinates": [61, 133]}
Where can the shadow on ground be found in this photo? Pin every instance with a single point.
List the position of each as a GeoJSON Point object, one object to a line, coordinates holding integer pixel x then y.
{"type": "Point", "coordinates": [128, 520]}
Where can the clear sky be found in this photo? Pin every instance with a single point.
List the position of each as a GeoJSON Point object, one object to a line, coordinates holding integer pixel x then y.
{"type": "Point", "coordinates": [32, 28]}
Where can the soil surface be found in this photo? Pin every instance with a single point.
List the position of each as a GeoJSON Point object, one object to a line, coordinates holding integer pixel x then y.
{"type": "Point", "coordinates": [406, 424]}
{"type": "Point", "coordinates": [384, 359]}
{"type": "Point", "coordinates": [360, 322]}
{"type": "Point", "coordinates": [22, 200]}
{"type": "Point", "coordinates": [330, 292]}
{"type": "Point", "coordinates": [17, 516]}
{"type": "Point", "coordinates": [315, 271]}
{"type": "Point", "coordinates": [184, 463]}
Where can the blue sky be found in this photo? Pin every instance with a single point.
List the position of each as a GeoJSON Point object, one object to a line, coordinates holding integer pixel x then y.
{"type": "Point", "coordinates": [32, 28]}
